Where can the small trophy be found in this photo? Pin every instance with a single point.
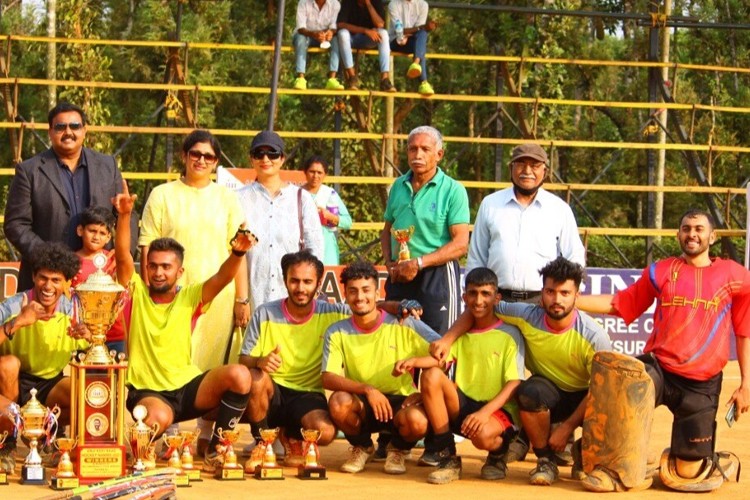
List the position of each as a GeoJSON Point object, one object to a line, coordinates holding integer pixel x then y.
{"type": "Point", "coordinates": [269, 468]}
{"type": "Point", "coordinates": [230, 469]}
{"type": "Point", "coordinates": [311, 469]}
{"type": "Point", "coordinates": [174, 443]}
{"type": "Point", "coordinates": [3, 474]}
{"type": "Point", "coordinates": [141, 438]}
{"type": "Point", "coordinates": [36, 421]}
{"type": "Point", "coordinates": [403, 236]}
{"type": "Point", "coordinates": [65, 477]}
{"type": "Point", "coordinates": [186, 459]}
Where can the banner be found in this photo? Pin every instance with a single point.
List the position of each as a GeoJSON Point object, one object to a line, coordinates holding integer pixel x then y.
{"type": "Point", "coordinates": [747, 228]}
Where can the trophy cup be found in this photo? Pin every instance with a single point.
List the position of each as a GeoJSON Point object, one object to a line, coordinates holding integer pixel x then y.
{"type": "Point", "coordinates": [186, 460]}
{"type": "Point", "coordinates": [36, 421]}
{"type": "Point", "coordinates": [311, 469]}
{"type": "Point", "coordinates": [97, 379]}
{"type": "Point", "coordinates": [141, 438]}
{"type": "Point", "coordinates": [269, 468]}
{"type": "Point", "coordinates": [403, 236]}
{"type": "Point", "coordinates": [64, 478]}
{"type": "Point", "coordinates": [3, 474]}
{"type": "Point", "coordinates": [230, 469]}
{"type": "Point", "coordinates": [174, 443]}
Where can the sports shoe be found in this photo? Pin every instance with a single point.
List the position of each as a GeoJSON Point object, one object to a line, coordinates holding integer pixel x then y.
{"type": "Point", "coordinates": [256, 458]}
{"type": "Point", "coordinates": [300, 83]}
{"type": "Point", "coordinates": [429, 459]}
{"type": "Point", "coordinates": [8, 457]}
{"type": "Point", "coordinates": [279, 450]}
{"type": "Point", "coordinates": [387, 86]}
{"type": "Point", "coordinates": [357, 459]}
{"type": "Point", "coordinates": [425, 88]}
{"type": "Point", "coordinates": [212, 462]}
{"type": "Point", "coordinates": [395, 462]}
{"type": "Point", "coordinates": [448, 470]}
{"type": "Point", "coordinates": [334, 84]}
{"type": "Point", "coordinates": [353, 83]}
{"type": "Point", "coordinates": [545, 473]}
{"type": "Point", "coordinates": [517, 451]}
{"type": "Point", "coordinates": [494, 468]}
{"type": "Point", "coordinates": [293, 451]}
{"type": "Point", "coordinates": [414, 71]}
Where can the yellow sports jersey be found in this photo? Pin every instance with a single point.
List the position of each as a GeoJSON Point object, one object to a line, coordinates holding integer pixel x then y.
{"type": "Point", "coordinates": [486, 360]}
{"type": "Point", "coordinates": [300, 343]}
{"type": "Point", "coordinates": [562, 357]}
{"type": "Point", "coordinates": [45, 347]}
{"type": "Point", "coordinates": [159, 338]}
{"type": "Point", "coordinates": [369, 356]}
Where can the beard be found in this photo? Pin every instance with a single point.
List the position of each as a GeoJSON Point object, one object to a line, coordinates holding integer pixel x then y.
{"type": "Point", "coordinates": [304, 302]}
{"type": "Point", "coordinates": [557, 316]}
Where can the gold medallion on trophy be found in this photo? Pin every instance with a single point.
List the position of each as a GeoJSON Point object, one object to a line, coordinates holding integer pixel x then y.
{"type": "Point", "coordinates": [3, 474]}
{"type": "Point", "coordinates": [174, 444]}
{"type": "Point", "coordinates": [269, 467]}
{"type": "Point", "coordinates": [97, 381]}
{"type": "Point", "coordinates": [36, 421]}
{"type": "Point", "coordinates": [141, 439]}
{"type": "Point", "coordinates": [402, 236]}
{"type": "Point", "coordinates": [186, 460]}
{"type": "Point", "coordinates": [65, 477]}
{"type": "Point", "coordinates": [311, 468]}
{"type": "Point", "coordinates": [230, 469]}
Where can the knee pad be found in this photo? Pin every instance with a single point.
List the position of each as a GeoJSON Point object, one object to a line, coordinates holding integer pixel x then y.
{"type": "Point", "coordinates": [693, 435]}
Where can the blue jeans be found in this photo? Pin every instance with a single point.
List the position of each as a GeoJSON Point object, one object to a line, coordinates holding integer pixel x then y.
{"type": "Point", "coordinates": [417, 45]}
{"type": "Point", "coordinates": [302, 43]}
{"type": "Point", "coordinates": [347, 42]}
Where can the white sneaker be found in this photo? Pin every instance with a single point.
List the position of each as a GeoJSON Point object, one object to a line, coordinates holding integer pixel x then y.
{"type": "Point", "coordinates": [395, 462]}
{"type": "Point", "coordinates": [357, 460]}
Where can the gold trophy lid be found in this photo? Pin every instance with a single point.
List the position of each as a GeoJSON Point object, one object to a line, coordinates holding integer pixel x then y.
{"type": "Point", "coordinates": [33, 408]}
{"type": "Point", "coordinates": [100, 281]}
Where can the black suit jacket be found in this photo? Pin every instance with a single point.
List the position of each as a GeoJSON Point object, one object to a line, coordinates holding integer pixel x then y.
{"type": "Point", "coordinates": [37, 210]}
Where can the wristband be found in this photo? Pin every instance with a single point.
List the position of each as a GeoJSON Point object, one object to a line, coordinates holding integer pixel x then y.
{"type": "Point", "coordinates": [244, 301]}
{"type": "Point", "coordinates": [238, 253]}
{"type": "Point", "coordinates": [419, 263]}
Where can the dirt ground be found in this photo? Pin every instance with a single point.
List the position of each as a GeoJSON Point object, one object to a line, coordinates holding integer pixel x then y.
{"type": "Point", "coordinates": [373, 483]}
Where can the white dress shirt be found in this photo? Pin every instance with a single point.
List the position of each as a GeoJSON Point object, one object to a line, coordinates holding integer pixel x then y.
{"type": "Point", "coordinates": [314, 18]}
{"type": "Point", "coordinates": [412, 13]}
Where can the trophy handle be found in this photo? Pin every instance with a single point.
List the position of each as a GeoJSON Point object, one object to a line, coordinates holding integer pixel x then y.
{"type": "Point", "coordinates": [155, 428]}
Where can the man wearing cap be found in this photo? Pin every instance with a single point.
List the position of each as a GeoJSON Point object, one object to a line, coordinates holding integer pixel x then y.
{"type": "Point", "coordinates": [520, 229]}
{"type": "Point", "coordinates": [281, 215]}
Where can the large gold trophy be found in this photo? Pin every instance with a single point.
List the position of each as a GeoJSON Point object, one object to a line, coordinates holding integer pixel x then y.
{"type": "Point", "coordinates": [35, 422]}
{"type": "Point", "coordinates": [97, 396]}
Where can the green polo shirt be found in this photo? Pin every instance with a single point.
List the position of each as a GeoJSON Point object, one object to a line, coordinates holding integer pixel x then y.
{"type": "Point", "coordinates": [438, 205]}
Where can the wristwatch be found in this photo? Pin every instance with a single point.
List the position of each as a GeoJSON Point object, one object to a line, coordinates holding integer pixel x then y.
{"type": "Point", "coordinates": [244, 301]}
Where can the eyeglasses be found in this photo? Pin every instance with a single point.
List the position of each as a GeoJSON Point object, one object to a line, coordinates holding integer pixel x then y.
{"type": "Point", "coordinates": [60, 127]}
{"type": "Point", "coordinates": [197, 155]}
{"type": "Point", "coordinates": [533, 165]}
{"type": "Point", "coordinates": [272, 155]}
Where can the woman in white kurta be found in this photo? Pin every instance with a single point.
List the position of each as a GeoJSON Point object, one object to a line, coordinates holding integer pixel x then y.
{"type": "Point", "coordinates": [203, 217]}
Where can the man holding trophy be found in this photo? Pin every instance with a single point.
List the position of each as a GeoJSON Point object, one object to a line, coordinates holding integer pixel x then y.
{"type": "Point", "coordinates": [161, 375]}
{"type": "Point", "coordinates": [37, 336]}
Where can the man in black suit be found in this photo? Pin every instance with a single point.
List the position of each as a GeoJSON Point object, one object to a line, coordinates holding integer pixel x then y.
{"type": "Point", "coordinates": [50, 190]}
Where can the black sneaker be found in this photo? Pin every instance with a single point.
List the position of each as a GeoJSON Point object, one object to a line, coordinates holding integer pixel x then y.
{"type": "Point", "coordinates": [494, 468]}
{"type": "Point", "coordinates": [448, 470]}
{"type": "Point", "coordinates": [387, 86]}
{"type": "Point", "coordinates": [429, 459]}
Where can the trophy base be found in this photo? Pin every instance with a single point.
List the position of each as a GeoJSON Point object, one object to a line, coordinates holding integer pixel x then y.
{"type": "Point", "coordinates": [64, 483]}
{"type": "Point", "coordinates": [312, 473]}
{"type": "Point", "coordinates": [193, 474]}
{"type": "Point", "coordinates": [33, 474]}
{"type": "Point", "coordinates": [3, 478]}
{"type": "Point", "coordinates": [269, 472]}
{"type": "Point", "coordinates": [181, 480]}
{"type": "Point", "coordinates": [230, 474]}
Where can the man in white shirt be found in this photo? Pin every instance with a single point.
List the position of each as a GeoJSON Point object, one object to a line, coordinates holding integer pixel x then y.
{"type": "Point", "coordinates": [316, 27]}
{"type": "Point", "coordinates": [517, 231]}
{"type": "Point", "coordinates": [413, 17]}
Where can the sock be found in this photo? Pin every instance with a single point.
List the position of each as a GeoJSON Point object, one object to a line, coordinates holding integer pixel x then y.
{"type": "Point", "coordinates": [231, 408]}
{"type": "Point", "coordinates": [205, 426]}
{"type": "Point", "coordinates": [545, 452]}
{"type": "Point", "coordinates": [444, 441]}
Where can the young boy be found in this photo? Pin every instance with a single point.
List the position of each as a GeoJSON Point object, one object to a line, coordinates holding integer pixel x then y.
{"type": "Point", "coordinates": [95, 230]}
{"type": "Point", "coordinates": [480, 403]}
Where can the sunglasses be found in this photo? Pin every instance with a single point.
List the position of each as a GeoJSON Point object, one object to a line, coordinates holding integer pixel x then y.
{"type": "Point", "coordinates": [258, 155]}
{"type": "Point", "coordinates": [60, 127]}
{"type": "Point", "coordinates": [197, 155]}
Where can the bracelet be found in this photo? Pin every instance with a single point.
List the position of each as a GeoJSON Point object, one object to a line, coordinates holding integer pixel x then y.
{"type": "Point", "coordinates": [419, 263]}
{"type": "Point", "coordinates": [238, 253]}
{"type": "Point", "coordinates": [244, 301]}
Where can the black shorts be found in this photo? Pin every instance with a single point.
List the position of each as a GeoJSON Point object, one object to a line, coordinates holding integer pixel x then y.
{"type": "Point", "coordinates": [438, 290]}
{"type": "Point", "coordinates": [182, 400]}
{"type": "Point", "coordinates": [288, 406]}
{"type": "Point", "coordinates": [43, 387]}
{"type": "Point", "coordinates": [467, 406]}
{"type": "Point", "coordinates": [693, 403]}
{"type": "Point", "coordinates": [539, 394]}
{"type": "Point", "coordinates": [371, 424]}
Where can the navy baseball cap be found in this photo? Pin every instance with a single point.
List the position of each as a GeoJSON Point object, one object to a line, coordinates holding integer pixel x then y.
{"type": "Point", "coordinates": [269, 139]}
